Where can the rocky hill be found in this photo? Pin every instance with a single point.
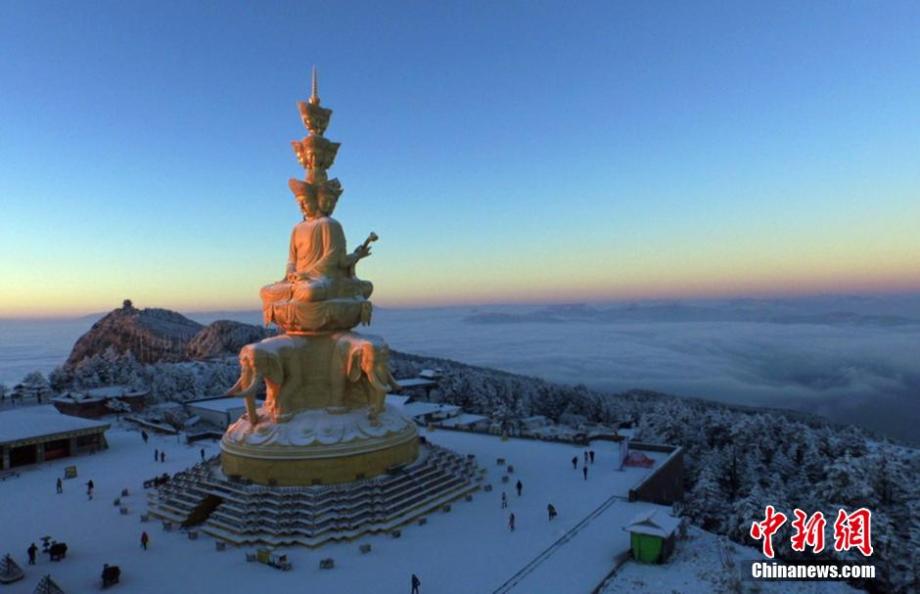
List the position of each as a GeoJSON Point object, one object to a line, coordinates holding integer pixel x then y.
{"type": "Point", "coordinates": [224, 337]}
{"type": "Point", "coordinates": [159, 335]}
{"type": "Point", "coordinates": [150, 334]}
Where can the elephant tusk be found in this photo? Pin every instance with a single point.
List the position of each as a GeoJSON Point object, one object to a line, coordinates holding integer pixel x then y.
{"type": "Point", "coordinates": [236, 388]}
{"type": "Point", "coordinates": [379, 385]}
{"type": "Point", "coordinates": [248, 394]}
{"type": "Point", "coordinates": [252, 388]}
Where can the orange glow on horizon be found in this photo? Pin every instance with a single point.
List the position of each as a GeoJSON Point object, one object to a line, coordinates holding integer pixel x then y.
{"type": "Point", "coordinates": [800, 285]}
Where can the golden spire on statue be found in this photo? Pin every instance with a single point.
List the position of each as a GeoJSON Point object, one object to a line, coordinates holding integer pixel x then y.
{"type": "Point", "coordinates": [315, 153]}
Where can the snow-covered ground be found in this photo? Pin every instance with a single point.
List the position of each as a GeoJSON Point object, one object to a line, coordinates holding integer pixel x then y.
{"type": "Point", "coordinates": [697, 566]}
{"type": "Point", "coordinates": [469, 549]}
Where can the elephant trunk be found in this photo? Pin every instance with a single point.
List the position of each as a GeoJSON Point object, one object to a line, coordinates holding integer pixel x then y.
{"type": "Point", "coordinates": [248, 393]}
{"type": "Point", "coordinates": [381, 386]}
{"type": "Point", "coordinates": [237, 387]}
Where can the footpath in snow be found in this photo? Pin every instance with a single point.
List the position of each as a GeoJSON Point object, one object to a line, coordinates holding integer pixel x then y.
{"type": "Point", "coordinates": [584, 556]}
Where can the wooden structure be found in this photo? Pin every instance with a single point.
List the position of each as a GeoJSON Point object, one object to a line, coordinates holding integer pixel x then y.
{"type": "Point", "coordinates": [10, 571]}
{"type": "Point", "coordinates": [47, 586]}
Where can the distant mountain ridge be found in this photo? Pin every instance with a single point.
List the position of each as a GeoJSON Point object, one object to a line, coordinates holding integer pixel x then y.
{"type": "Point", "coordinates": [156, 335]}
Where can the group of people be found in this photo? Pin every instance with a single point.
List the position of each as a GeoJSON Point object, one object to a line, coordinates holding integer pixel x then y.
{"type": "Point", "coordinates": [589, 456]}
{"type": "Point", "coordinates": [551, 511]}
{"type": "Point", "coordinates": [90, 487]}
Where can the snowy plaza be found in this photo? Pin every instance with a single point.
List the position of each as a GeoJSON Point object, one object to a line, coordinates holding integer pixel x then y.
{"type": "Point", "coordinates": [469, 549]}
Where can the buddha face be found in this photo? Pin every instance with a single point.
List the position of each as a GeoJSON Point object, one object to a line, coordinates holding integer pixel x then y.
{"type": "Point", "coordinates": [308, 206]}
{"type": "Point", "coordinates": [327, 201]}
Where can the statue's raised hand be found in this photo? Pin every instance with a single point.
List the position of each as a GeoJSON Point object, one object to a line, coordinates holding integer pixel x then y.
{"type": "Point", "coordinates": [362, 251]}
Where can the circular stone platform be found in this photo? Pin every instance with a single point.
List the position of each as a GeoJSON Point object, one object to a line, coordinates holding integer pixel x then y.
{"type": "Point", "coordinates": [316, 447]}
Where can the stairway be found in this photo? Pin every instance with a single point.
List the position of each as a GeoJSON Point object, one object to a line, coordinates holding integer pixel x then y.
{"type": "Point", "coordinates": [202, 511]}
{"type": "Point", "coordinates": [242, 513]}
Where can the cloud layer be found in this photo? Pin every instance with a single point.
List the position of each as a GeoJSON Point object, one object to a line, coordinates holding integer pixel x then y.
{"type": "Point", "coordinates": [851, 359]}
{"type": "Point", "coordinates": [854, 365]}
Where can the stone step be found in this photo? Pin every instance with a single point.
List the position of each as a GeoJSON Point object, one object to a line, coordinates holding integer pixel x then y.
{"type": "Point", "coordinates": [288, 539]}
{"type": "Point", "coordinates": [310, 516]}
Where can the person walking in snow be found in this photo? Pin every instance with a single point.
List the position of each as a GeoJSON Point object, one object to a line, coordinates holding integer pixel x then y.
{"type": "Point", "coordinates": [520, 487]}
{"type": "Point", "coordinates": [202, 454]}
{"type": "Point", "coordinates": [504, 500]}
{"type": "Point", "coordinates": [551, 511]}
{"type": "Point", "coordinates": [162, 456]}
{"type": "Point", "coordinates": [574, 462]}
{"type": "Point", "coordinates": [59, 486]}
{"type": "Point", "coordinates": [584, 471]}
{"type": "Point", "coordinates": [32, 550]}
{"type": "Point", "coordinates": [511, 521]}
{"type": "Point", "coordinates": [144, 436]}
{"type": "Point", "coordinates": [415, 584]}
{"type": "Point", "coordinates": [591, 455]}
{"type": "Point", "coordinates": [156, 455]}
{"type": "Point", "coordinates": [144, 540]}
{"type": "Point", "coordinates": [89, 488]}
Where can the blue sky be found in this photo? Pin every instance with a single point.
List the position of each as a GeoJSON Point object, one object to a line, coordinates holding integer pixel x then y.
{"type": "Point", "coordinates": [503, 151]}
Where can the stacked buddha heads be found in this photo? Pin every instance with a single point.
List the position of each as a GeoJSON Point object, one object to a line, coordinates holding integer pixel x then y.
{"type": "Point", "coordinates": [319, 292]}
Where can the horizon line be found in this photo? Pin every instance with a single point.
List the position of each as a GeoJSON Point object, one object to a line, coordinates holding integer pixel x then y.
{"type": "Point", "coordinates": [588, 300]}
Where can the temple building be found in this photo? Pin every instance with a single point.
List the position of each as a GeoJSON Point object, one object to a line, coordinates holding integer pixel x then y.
{"type": "Point", "coordinates": [93, 403]}
{"type": "Point", "coordinates": [220, 412]}
{"type": "Point", "coordinates": [36, 434]}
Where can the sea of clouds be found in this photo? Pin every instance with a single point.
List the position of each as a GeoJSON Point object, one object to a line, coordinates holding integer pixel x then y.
{"type": "Point", "coordinates": [851, 359]}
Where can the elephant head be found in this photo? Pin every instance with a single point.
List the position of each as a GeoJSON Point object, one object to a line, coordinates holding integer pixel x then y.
{"type": "Point", "coordinates": [256, 365]}
{"type": "Point", "coordinates": [371, 362]}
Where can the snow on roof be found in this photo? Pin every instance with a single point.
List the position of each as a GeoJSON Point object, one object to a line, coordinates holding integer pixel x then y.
{"type": "Point", "coordinates": [415, 409]}
{"type": "Point", "coordinates": [397, 400]}
{"type": "Point", "coordinates": [416, 382]}
{"type": "Point", "coordinates": [463, 419]}
{"type": "Point", "coordinates": [164, 406]}
{"type": "Point", "coordinates": [219, 404]}
{"type": "Point", "coordinates": [114, 392]}
{"type": "Point", "coordinates": [38, 421]}
{"type": "Point", "coordinates": [71, 397]}
{"type": "Point", "coordinates": [653, 523]}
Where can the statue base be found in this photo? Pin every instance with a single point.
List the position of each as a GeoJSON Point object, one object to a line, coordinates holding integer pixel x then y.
{"type": "Point", "coordinates": [315, 447]}
{"type": "Point", "coordinates": [249, 514]}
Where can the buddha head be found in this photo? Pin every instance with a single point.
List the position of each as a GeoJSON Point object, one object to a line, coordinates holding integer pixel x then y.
{"type": "Point", "coordinates": [306, 198]}
{"type": "Point", "coordinates": [328, 194]}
